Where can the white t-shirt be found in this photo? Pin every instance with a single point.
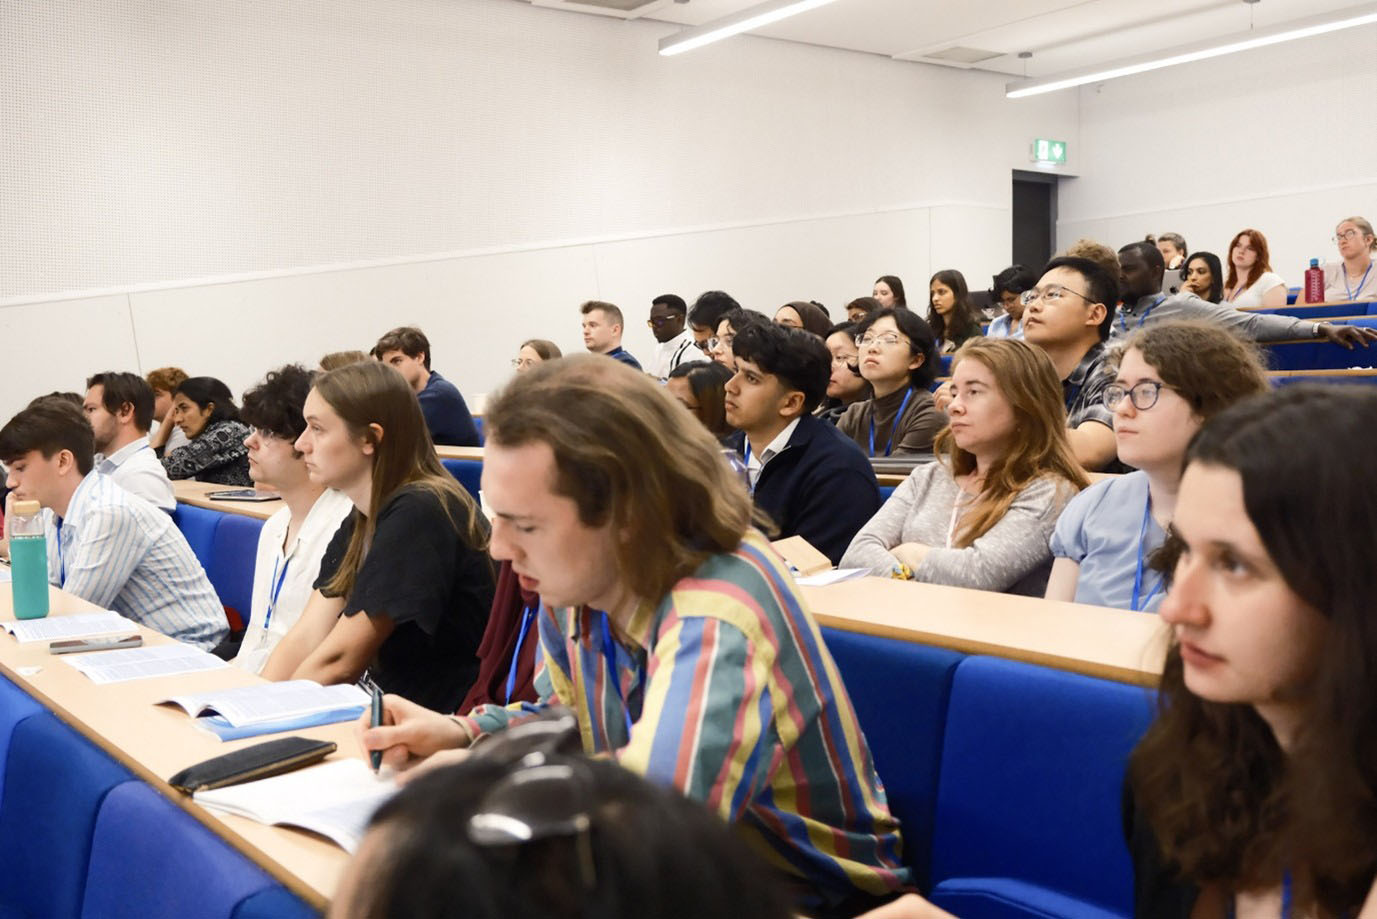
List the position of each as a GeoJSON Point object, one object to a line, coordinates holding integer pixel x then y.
{"type": "Point", "coordinates": [291, 575]}
{"type": "Point", "coordinates": [1252, 296]}
{"type": "Point", "coordinates": [672, 353]}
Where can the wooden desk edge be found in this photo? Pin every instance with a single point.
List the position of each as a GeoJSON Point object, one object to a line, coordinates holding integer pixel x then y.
{"type": "Point", "coordinates": [260, 858]}
{"type": "Point", "coordinates": [1133, 676]}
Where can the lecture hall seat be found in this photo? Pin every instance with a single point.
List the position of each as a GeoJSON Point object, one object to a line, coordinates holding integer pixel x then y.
{"type": "Point", "coordinates": [899, 690]}
{"type": "Point", "coordinates": [198, 525]}
{"type": "Point", "coordinates": [55, 781]}
{"type": "Point", "coordinates": [469, 472]}
{"type": "Point", "coordinates": [15, 706]}
{"type": "Point", "coordinates": [234, 554]}
{"type": "Point", "coordinates": [150, 859]}
{"type": "Point", "coordinates": [1028, 804]}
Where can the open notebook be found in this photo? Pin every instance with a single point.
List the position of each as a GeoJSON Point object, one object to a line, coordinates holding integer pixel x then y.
{"type": "Point", "coordinates": [268, 708]}
{"type": "Point", "coordinates": [334, 799]}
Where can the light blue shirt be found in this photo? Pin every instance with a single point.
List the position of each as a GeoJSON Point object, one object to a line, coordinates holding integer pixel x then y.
{"type": "Point", "coordinates": [1099, 531]}
{"type": "Point", "coordinates": [119, 552]}
{"type": "Point", "coordinates": [999, 328]}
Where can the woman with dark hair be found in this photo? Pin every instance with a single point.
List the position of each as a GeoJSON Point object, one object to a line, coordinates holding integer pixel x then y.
{"type": "Point", "coordinates": [1169, 379]}
{"type": "Point", "coordinates": [898, 359]}
{"type": "Point", "coordinates": [701, 387]}
{"type": "Point", "coordinates": [950, 311]}
{"type": "Point", "coordinates": [205, 411]}
{"type": "Point", "coordinates": [845, 385]}
{"type": "Point", "coordinates": [527, 826]}
{"type": "Point", "coordinates": [1254, 793]}
{"type": "Point", "coordinates": [1204, 277]}
{"type": "Point", "coordinates": [802, 314]}
{"type": "Point", "coordinates": [981, 514]}
{"type": "Point", "coordinates": [1007, 290]}
{"type": "Point", "coordinates": [405, 585]}
{"type": "Point", "coordinates": [889, 292]}
{"type": "Point", "coordinates": [860, 308]}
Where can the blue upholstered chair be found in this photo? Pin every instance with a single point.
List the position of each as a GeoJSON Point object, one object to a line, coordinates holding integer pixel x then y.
{"type": "Point", "coordinates": [233, 553]}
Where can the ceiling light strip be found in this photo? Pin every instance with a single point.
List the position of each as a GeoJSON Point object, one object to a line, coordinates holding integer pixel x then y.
{"type": "Point", "coordinates": [1246, 41]}
{"type": "Point", "coordinates": [754, 17]}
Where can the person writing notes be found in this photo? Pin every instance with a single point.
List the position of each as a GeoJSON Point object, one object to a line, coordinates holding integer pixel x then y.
{"type": "Point", "coordinates": [677, 646]}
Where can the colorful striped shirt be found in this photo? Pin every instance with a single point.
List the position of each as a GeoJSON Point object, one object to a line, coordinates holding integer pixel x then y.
{"type": "Point", "coordinates": [118, 551]}
{"type": "Point", "coordinates": [725, 690]}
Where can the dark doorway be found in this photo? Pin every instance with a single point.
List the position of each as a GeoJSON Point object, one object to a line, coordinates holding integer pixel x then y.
{"type": "Point", "coordinates": [1035, 218]}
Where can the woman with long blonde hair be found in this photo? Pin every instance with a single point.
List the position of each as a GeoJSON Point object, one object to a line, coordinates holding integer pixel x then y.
{"type": "Point", "coordinates": [981, 515]}
{"type": "Point", "coordinates": [411, 557]}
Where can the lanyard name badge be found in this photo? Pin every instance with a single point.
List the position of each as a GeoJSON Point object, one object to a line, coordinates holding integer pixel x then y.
{"type": "Point", "coordinates": [61, 562]}
{"type": "Point", "coordinates": [1123, 320]}
{"type": "Point", "coordinates": [1352, 295]}
{"type": "Point", "coordinates": [609, 653]}
{"type": "Point", "coordinates": [892, 428]}
{"type": "Point", "coordinates": [1138, 573]}
{"type": "Point", "coordinates": [527, 617]}
{"type": "Point", "coordinates": [277, 582]}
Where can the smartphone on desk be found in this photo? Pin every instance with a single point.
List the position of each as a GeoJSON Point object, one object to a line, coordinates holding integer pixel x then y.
{"type": "Point", "coordinates": [106, 643]}
{"type": "Point", "coordinates": [242, 494]}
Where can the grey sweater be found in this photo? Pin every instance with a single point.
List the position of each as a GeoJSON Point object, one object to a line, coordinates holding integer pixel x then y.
{"type": "Point", "coordinates": [1257, 326]}
{"type": "Point", "coordinates": [1013, 556]}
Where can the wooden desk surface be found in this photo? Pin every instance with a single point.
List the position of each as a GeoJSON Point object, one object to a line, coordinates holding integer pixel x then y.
{"type": "Point", "coordinates": [446, 452]}
{"type": "Point", "coordinates": [1345, 372]}
{"type": "Point", "coordinates": [1110, 644]}
{"type": "Point", "coordinates": [155, 742]}
{"type": "Point", "coordinates": [194, 493]}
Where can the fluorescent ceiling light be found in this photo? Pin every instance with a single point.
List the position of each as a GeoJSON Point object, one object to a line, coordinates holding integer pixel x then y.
{"type": "Point", "coordinates": [1245, 41]}
{"type": "Point", "coordinates": [754, 17]}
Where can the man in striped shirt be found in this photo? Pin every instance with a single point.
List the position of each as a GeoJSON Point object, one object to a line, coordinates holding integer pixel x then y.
{"type": "Point", "coordinates": [106, 545]}
{"type": "Point", "coordinates": [673, 630]}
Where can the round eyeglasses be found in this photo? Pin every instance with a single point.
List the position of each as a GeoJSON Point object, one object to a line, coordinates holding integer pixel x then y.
{"type": "Point", "coordinates": [1143, 395]}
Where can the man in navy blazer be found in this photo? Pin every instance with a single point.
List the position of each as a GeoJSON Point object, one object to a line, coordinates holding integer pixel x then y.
{"type": "Point", "coordinates": [811, 479]}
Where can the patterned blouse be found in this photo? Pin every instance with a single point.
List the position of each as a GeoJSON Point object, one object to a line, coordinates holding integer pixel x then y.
{"type": "Point", "coordinates": [216, 455]}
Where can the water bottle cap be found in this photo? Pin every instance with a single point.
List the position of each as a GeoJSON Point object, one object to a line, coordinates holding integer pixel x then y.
{"type": "Point", "coordinates": [27, 507]}
{"type": "Point", "coordinates": [1314, 263]}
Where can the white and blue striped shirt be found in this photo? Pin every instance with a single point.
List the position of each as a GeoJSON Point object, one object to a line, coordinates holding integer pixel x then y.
{"type": "Point", "coordinates": [119, 552]}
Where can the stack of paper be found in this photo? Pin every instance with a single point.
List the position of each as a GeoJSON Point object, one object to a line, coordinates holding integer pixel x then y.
{"type": "Point", "coordinates": [268, 708]}
{"type": "Point", "coordinates": [335, 799]}
{"type": "Point", "coordinates": [141, 663]}
{"type": "Point", "coordinates": [83, 625]}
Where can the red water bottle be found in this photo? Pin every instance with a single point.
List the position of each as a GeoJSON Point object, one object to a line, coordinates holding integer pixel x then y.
{"type": "Point", "coordinates": [1314, 282]}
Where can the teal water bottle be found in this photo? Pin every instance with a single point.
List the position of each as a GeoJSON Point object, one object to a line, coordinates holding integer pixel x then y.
{"type": "Point", "coordinates": [28, 560]}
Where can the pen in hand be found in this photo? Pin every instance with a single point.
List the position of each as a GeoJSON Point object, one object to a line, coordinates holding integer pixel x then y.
{"type": "Point", "coordinates": [375, 756]}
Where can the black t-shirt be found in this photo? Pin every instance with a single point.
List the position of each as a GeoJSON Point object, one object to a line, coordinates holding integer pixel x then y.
{"type": "Point", "coordinates": [436, 589]}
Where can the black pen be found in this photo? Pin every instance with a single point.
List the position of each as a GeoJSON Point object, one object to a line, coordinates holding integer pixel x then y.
{"type": "Point", "coordinates": [375, 756]}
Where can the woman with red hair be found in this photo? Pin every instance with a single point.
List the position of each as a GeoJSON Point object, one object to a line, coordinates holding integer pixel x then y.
{"type": "Point", "coordinates": [1251, 281]}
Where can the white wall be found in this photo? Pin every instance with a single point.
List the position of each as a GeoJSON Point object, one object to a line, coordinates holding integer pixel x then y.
{"type": "Point", "coordinates": [1280, 139]}
{"type": "Point", "coordinates": [233, 185]}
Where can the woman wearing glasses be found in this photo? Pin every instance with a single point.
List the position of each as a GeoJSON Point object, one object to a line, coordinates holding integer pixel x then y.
{"type": "Point", "coordinates": [535, 351]}
{"type": "Point", "coordinates": [1354, 278]}
{"type": "Point", "coordinates": [980, 516]}
{"type": "Point", "coordinates": [1169, 380]}
{"type": "Point", "coordinates": [898, 357]}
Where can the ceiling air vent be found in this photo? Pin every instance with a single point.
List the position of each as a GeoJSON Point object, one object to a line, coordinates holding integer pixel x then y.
{"type": "Point", "coordinates": [959, 55]}
{"type": "Point", "coordinates": [623, 9]}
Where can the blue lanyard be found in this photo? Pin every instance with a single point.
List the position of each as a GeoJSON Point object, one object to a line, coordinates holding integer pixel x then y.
{"type": "Point", "coordinates": [527, 616]}
{"type": "Point", "coordinates": [277, 582]}
{"type": "Point", "coordinates": [893, 427]}
{"type": "Point", "coordinates": [1351, 295]}
{"type": "Point", "coordinates": [609, 652]}
{"type": "Point", "coordinates": [1138, 574]}
{"type": "Point", "coordinates": [1123, 321]}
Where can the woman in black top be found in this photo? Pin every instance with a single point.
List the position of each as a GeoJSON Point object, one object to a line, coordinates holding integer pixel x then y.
{"type": "Point", "coordinates": [1255, 791]}
{"type": "Point", "coordinates": [950, 311]}
{"type": "Point", "coordinates": [205, 411]}
{"type": "Point", "coordinates": [405, 586]}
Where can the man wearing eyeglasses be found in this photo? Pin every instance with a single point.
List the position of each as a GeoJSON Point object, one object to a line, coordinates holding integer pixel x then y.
{"type": "Point", "coordinates": [672, 630]}
{"type": "Point", "coordinates": [1140, 286]}
{"type": "Point", "coordinates": [676, 346]}
{"type": "Point", "coordinates": [1068, 315]}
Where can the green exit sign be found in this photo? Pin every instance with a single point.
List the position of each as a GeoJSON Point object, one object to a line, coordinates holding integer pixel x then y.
{"type": "Point", "coordinates": [1049, 151]}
